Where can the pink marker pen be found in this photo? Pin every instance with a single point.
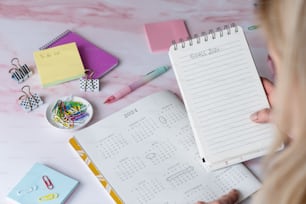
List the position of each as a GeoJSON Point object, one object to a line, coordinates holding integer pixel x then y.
{"type": "Point", "coordinates": [136, 84]}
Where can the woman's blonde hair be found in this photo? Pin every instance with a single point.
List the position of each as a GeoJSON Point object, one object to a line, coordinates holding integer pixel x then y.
{"type": "Point", "coordinates": [284, 24]}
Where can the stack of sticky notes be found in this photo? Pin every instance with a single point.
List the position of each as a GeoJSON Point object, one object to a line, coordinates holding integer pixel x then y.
{"type": "Point", "coordinates": [42, 184]}
{"type": "Point", "coordinates": [59, 64]}
{"type": "Point", "coordinates": [94, 58]}
{"type": "Point", "coordinates": [161, 34]}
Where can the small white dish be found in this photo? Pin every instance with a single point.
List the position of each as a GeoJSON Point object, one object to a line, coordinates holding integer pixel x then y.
{"type": "Point", "coordinates": [50, 114]}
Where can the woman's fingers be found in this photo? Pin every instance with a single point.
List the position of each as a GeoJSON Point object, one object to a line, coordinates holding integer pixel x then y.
{"type": "Point", "coordinates": [230, 198]}
{"type": "Point", "coordinates": [268, 85]}
{"type": "Point", "coordinates": [262, 116]}
{"type": "Point", "coordinates": [269, 89]}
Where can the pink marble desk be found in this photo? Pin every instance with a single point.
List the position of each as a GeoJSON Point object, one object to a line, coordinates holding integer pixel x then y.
{"type": "Point", "coordinates": [116, 26]}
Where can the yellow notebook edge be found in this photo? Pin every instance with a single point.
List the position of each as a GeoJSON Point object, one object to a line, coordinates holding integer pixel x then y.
{"type": "Point", "coordinates": [82, 154]}
{"type": "Point", "coordinates": [48, 84]}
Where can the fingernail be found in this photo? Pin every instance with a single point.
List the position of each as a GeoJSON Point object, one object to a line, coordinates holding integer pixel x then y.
{"type": "Point", "coordinates": [235, 191]}
{"type": "Point", "coordinates": [254, 116]}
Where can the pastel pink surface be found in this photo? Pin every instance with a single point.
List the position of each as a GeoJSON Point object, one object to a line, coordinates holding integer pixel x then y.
{"type": "Point", "coordinates": [161, 34]}
{"type": "Point", "coordinates": [116, 26]}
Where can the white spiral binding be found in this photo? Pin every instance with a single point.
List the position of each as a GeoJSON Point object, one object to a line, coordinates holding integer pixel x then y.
{"type": "Point", "coordinates": [54, 40]}
{"type": "Point", "coordinates": [212, 34]}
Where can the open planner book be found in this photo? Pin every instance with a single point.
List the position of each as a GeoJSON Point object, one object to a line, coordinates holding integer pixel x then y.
{"type": "Point", "coordinates": [146, 153]}
{"type": "Point", "coordinates": [221, 88]}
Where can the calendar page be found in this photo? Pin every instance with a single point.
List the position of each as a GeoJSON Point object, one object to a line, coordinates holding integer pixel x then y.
{"type": "Point", "coordinates": [147, 154]}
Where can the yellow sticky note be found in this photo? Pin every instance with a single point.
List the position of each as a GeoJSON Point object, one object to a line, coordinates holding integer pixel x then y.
{"type": "Point", "coordinates": [59, 64]}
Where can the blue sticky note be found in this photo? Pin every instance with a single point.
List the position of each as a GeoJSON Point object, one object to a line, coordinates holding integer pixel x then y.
{"type": "Point", "coordinates": [42, 184]}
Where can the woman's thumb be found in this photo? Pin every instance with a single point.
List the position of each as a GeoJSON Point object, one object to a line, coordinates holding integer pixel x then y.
{"type": "Point", "coordinates": [262, 116]}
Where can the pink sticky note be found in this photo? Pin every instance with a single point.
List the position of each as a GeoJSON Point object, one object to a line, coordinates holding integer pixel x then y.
{"type": "Point", "coordinates": [161, 34]}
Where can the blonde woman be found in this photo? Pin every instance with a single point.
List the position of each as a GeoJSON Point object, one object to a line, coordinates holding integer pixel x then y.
{"type": "Point", "coordinates": [284, 26]}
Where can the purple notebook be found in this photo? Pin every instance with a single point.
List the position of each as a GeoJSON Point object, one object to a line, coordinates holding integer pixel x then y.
{"type": "Point", "coordinates": [93, 58]}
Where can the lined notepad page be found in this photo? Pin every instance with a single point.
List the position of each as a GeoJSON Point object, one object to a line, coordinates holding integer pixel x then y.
{"type": "Point", "coordinates": [221, 88]}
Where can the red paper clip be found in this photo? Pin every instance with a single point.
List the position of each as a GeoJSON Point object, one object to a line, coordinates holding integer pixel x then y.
{"type": "Point", "coordinates": [48, 182]}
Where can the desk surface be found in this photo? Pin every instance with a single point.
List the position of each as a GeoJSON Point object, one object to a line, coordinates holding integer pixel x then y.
{"type": "Point", "coordinates": [116, 26]}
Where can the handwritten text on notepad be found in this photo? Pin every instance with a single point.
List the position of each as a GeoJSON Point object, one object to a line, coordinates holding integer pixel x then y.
{"type": "Point", "coordinates": [49, 54]}
{"type": "Point", "coordinates": [204, 53]}
{"type": "Point", "coordinates": [59, 64]}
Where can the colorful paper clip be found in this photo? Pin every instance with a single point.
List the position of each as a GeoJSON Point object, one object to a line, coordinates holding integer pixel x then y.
{"type": "Point", "coordinates": [29, 101]}
{"type": "Point", "coordinates": [48, 182]}
{"type": "Point", "coordinates": [48, 197]}
{"type": "Point", "coordinates": [18, 72]}
{"type": "Point", "coordinates": [69, 113]}
{"type": "Point", "coordinates": [88, 83]}
{"type": "Point", "coordinates": [27, 190]}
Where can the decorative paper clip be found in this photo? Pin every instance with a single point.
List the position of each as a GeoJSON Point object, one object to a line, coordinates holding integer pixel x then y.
{"type": "Point", "coordinates": [18, 72]}
{"type": "Point", "coordinates": [29, 101]}
{"type": "Point", "coordinates": [48, 182]}
{"type": "Point", "coordinates": [69, 113]}
{"type": "Point", "coordinates": [27, 190]}
{"type": "Point", "coordinates": [48, 197]}
{"type": "Point", "coordinates": [88, 83]}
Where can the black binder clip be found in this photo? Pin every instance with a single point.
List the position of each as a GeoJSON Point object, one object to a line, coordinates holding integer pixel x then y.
{"type": "Point", "coordinates": [88, 83]}
{"type": "Point", "coordinates": [18, 72]}
{"type": "Point", "coordinates": [29, 101]}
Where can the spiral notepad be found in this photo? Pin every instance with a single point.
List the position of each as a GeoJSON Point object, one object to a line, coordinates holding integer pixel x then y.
{"type": "Point", "coordinates": [221, 88]}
